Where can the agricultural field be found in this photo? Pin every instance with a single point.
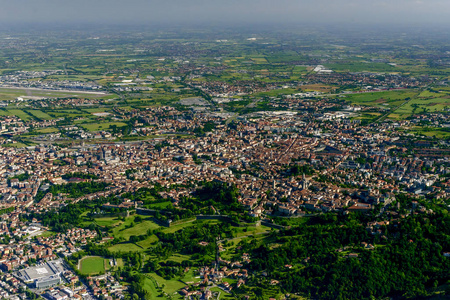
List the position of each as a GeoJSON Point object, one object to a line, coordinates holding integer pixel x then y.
{"type": "Point", "coordinates": [318, 87]}
{"type": "Point", "coordinates": [46, 130]}
{"type": "Point", "coordinates": [439, 133]}
{"type": "Point", "coordinates": [40, 114]}
{"type": "Point", "coordinates": [362, 67]}
{"type": "Point", "coordinates": [423, 105]}
{"type": "Point", "coordinates": [19, 113]}
{"type": "Point", "coordinates": [71, 113]}
{"type": "Point", "coordinates": [385, 99]}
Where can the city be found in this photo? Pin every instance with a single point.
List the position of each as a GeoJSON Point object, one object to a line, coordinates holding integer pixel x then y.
{"type": "Point", "coordinates": [176, 165]}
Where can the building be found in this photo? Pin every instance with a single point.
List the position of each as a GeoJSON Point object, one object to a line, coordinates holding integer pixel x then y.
{"type": "Point", "coordinates": [43, 275]}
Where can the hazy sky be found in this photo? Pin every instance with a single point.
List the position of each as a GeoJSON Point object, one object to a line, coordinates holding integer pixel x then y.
{"type": "Point", "coordinates": [232, 11]}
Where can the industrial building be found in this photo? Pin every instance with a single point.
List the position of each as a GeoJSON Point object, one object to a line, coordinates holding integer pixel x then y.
{"type": "Point", "coordinates": [43, 275]}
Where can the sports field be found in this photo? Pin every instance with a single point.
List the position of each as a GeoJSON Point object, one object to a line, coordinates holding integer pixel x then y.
{"type": "Point", "coordinates": [92, 265]}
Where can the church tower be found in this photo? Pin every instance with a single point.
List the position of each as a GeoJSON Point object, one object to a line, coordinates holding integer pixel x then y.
{"type": "Point", "coordinates": [305, 182]}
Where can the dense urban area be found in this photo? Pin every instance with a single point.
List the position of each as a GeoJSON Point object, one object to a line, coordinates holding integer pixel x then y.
{"type": "Point", "coordinates": [207, 164]}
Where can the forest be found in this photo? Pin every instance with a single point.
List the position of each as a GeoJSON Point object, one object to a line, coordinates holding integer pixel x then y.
{"type": "Point", "coordinates": [330, 260]}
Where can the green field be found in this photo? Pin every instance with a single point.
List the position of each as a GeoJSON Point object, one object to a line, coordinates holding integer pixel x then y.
{"type": "Point", "coordinates": [47, 233]}
{"type": "Point", "coordinates": [96, 110]}
{"type": "Point", "coordinates": [148, 242]}
{"type": "Point", "coordinates": [386, 99]}
{"type": "Point", "coordinates": [138, 229]}
{"type": "Point", "coordinates": [19, 113]}
{"type": "Point", "coordinates": [47, 130]}
{"type": "Point", "coordinates": [150, 286]}
{"type": "Point", "coordinates": [431, 132]}
{"type": "Point", "coordinates": [125, 247]}
{"type": "Point", "coordinates": [101, 126]}
{"type": "Point", "coordinates": [159, 205]}
{"type": "Point", "coordinates": [15, 145]}
{"type": "Point", "coordinates": [362, 66]}
{"type": "Point", "coordinates": [92, 265]}
{"type": "Point", "coordinates": [424, 105]}
{"type": "Point", "coordinates": [40, 114]}
{"type": "Point", "coordinates": [171, 287]}
{"type": "Point", "coordinates": [107, 221]}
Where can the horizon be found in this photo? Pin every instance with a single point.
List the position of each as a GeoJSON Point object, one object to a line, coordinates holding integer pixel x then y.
{"type": "Point", "coordinates": [247, 12]}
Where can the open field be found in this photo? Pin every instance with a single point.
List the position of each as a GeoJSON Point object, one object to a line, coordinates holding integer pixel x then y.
{"type": "Point", "coordinates": [150, 286]}
{"type": "Point", "coordinates": [46, 130]}
{"type": "Point", "coordinates": [125, 247]}
{"type": "Point", "coordinates": [171, 287]}
{"type": "Point", "coordinates": [19, 113]}
{"type": "Point", "coordinates": [361, 67]}
{"type": "Point", "coordinates": [47, 233]}
{"type": "Point", "coordinates": [73, 113]}
{"type": "Point", "coordinates": [15, 145]}
{"type": "Point", "coordinates": [108, 221]}
{"type": "Point", "coordinates": [318, 87]}
{"type": "Point", "coordinates": [159, 205]}
{"type": "Point", "coordinates": [40, 114]}
{"type": "Point", "coordinates": [96, 110]}
{"type": "Point", "coordinates": [421, 105]}
{"type": "Point", "coordinates": [385, 99]}
{"type": "Point", "coordinates": [101, 126]}
{"type": "Point", "coordinates": [138, 229]}
{"type": "Point", "coordinates": [432, 132]}
{"type": "Point", "coordinates": [148, 242]}
{"type": "Point", "coordinates": [92, 265]}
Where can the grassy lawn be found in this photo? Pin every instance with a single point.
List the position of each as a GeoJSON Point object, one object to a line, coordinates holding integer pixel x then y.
{"type": "Point", "coordinates": [96, 110]}
{"type": "Point", "coordinates": [295, 221]}
{"type": "Point", "coordinates": [108, 221]}
{"type": "Point", "coordinates": [15, 145]}
{"type": "Point", "coordinates": [150, 286]}
{"type": "Point", "coordinates": [179, 226]}
{"type": "Point", "coordinates": [92, 265]}
{"type": "Point", "coordinates": [148, 241]}
{"type": "Point", "coordinates": [119, 262]}
{"type": "Point", "coordinates": [170, 286]}
{"type": "Point", "coordinates": [138, 229]}
{"type": "Point", "coordinates": [178, 257]}
{"type": "Point", "coordinates": [125, 247]}
{"type": "Point", "coordinates": [47, 130]}
{"type": "Point", "coordinates": [101, 126]}
{"type": "Point", "coordinates": [191, 276]}
{"type": "Point", "coordinates": [160, 205]}
{"type": "Point", "coordinates": [47, 233]}
{"type": "Point", "coordinates": [250, 230]}
{"type": "Point", "coordinates": [223, 295]}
